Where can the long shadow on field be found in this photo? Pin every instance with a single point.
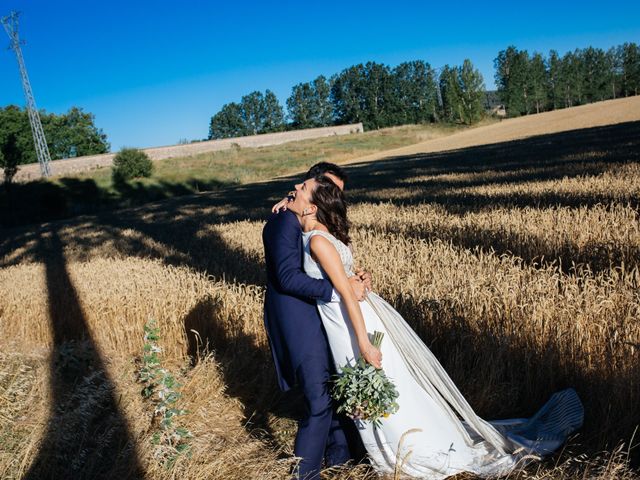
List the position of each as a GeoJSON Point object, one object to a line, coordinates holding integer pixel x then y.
{"type": "Point", "coordinates": [568, 255]}
{"type": "Point", "coordinates": [66, 197]}
{"type": "Point", "coordinates": [246, 366]}
{"type": "Point", "coordinates": [446, 178]}
{"type": "Point", "coordinates": [87, 435]}
{"type": "Point", "coordinates": [505, 374]}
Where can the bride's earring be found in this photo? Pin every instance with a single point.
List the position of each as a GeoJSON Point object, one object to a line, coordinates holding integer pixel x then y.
{"type": "Point", "coordinates": [304, 212]}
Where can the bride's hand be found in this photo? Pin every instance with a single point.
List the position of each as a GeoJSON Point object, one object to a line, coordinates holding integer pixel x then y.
{"type": "Point", "coordinates": [372, 355]}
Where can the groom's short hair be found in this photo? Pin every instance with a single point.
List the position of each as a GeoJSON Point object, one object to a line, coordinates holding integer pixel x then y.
{"type": "Point", "coordinates": [325, 167]}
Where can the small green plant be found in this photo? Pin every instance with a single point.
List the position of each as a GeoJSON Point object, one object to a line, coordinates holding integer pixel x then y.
{"type": "Point", "coordinates": [161, 387]}
{"type": "Point", "coordinates": [131, 163]}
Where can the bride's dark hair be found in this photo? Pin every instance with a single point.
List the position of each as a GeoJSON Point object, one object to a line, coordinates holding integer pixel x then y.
{"type": "Point", "coordinates": [332, 208]}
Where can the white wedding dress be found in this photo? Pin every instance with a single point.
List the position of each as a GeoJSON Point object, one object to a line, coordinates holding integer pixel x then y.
{"type": "Point", "coordinates": [435, 432]}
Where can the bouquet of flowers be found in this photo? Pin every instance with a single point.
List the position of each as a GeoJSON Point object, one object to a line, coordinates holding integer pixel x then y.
{"type": "Point", "coordinates": [364, 392]}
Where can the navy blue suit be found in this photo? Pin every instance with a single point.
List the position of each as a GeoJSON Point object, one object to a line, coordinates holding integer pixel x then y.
{"type": "Point", "coordinates": [299, 345]}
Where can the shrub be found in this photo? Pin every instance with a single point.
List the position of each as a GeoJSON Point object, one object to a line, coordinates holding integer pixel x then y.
{"type": "Point", "coordinates": [131, 163]}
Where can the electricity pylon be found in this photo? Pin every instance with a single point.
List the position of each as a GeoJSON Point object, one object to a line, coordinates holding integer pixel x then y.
{"type": "Point", "coordinates": [10, 24]}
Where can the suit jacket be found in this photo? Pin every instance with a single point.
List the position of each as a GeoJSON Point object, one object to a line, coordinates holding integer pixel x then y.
{"type": "Point", "coordinates": [291, 318]}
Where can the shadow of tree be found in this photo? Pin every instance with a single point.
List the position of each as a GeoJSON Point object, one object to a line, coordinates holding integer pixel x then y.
{"type": "Point", "coordinates": [534, 250]}
{"type": "Point", "coordinates": [67, 197]}
{"type": "Point", "coordinates": [556, 156]}
{"type": "Point", "coordinates": [87, 435]}
{"type": "Point", "coordinates": [245, 365]}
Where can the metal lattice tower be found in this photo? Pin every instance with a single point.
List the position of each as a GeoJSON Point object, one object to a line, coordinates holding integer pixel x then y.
{"type": "Point", "coordinates": [10, 24]}
{"type": "Point", "coordinates": [437, 71]}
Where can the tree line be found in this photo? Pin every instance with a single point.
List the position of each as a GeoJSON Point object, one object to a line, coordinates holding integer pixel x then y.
{"type": "Point", "coordinates": [71, 134]}
{"type": "Point", "coordinates": [415, 92]}
{"type": "Point", "coordinates": [372, 93]}
{"type": "Point", "coordinates": [534, 83]}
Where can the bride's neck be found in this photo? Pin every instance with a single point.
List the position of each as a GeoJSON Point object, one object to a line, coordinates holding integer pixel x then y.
{"type": "Point", "coordinates": [309, 223]}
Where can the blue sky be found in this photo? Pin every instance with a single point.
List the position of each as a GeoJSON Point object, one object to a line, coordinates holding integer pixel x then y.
{"type": "Point", "coordinates": [155, 72]}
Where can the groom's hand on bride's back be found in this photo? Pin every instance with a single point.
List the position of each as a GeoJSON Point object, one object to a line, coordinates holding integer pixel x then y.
{"type": "Point", "coordinates": [366, 279]}
{"type": "Point", "coordinates": [359, 287]}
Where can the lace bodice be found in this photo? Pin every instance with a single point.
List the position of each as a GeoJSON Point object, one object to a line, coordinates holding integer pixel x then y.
{"type": "Point", "coordinates": [312, 268]}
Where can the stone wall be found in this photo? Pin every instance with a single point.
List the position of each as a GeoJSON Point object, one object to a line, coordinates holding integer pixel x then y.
{"type": "Point", "coordinates": [90, 162]}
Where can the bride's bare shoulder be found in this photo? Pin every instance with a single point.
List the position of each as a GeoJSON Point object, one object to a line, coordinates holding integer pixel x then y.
{"type": "Point", "coordinates": [319, 241]}
{"type": "Point", "coordinates": [321, 246]}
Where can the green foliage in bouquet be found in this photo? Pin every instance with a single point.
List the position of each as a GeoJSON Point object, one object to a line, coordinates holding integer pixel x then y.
{"type": "Point", "coordinates": [364, 392]}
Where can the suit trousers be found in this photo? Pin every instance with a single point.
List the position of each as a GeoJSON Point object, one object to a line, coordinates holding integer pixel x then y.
{"type": "Point", "coordinates": [320, 432]}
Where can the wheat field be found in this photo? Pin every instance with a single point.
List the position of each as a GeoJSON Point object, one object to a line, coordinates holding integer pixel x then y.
{"type": "Point", "coordinates": [517, 262]}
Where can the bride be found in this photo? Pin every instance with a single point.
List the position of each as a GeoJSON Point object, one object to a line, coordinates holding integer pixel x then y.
{"type": "Point", "coordinates": [435, 432]}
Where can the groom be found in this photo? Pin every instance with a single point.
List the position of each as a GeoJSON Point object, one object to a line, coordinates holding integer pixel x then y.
{"type": "Point", "coordinates": [297, 339]}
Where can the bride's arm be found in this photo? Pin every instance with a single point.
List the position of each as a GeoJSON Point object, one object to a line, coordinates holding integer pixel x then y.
{"type": "Point", "coordinates": [329, 259]}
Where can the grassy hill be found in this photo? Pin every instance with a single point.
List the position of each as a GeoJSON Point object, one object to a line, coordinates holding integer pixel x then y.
{"type": "Point", "coordinates": [94, 191]}
{"type": "Point", "coordinates": [515, 258]}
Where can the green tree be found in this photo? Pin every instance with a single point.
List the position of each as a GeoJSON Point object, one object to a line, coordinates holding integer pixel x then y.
{"type": "Point", "coordinates": [364, 93]}
{"type": "Point", "coordinates": [262, 113]}
{"type": "Point", "coordinates": [511, 78]}
{"type": "Point", "coordinates": [256, 113]}
{"type": "Point", "coordinates": [300, 106]}
{"type": "Point", "coordinates": [273, 114]}
{"type": "Point", "coordinates": [471, 88]}
{"type": "Point", "coordinates": [15, 121]}
{"type": "Point", "coordinates": [322, 107]}
{"type": "Point", "coordinates": [596, 74]}
{"type": "Point", "coordinates": [348, 95]}
{"type": "Point", "coordinates": [228, 123]}
{"type": "Point", "coordinates": [614, 67]}
{"type": "Point", "coordinates": [573, 77]}
{"type": "Point", "coordinates": [74, 134]}
{"type": "Point", "coordinates": [630, 69]}
{"type": "Point", "coordinates": [450, 93]}
{"type": "Point", "coordinates": [71, 134]}
{"type": "Point", "coordinates": [556, 81]}
{"type": "Point", "coordinates": [252, 106]}
{"type": "Point", "coordinates": [415, 93]}
{"type": "Point", "coordinates": [309, 105]}
{"type": "Point", "coordinates": [538, 82]}
{"type": "Point", "coordinates": [380, 104]}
